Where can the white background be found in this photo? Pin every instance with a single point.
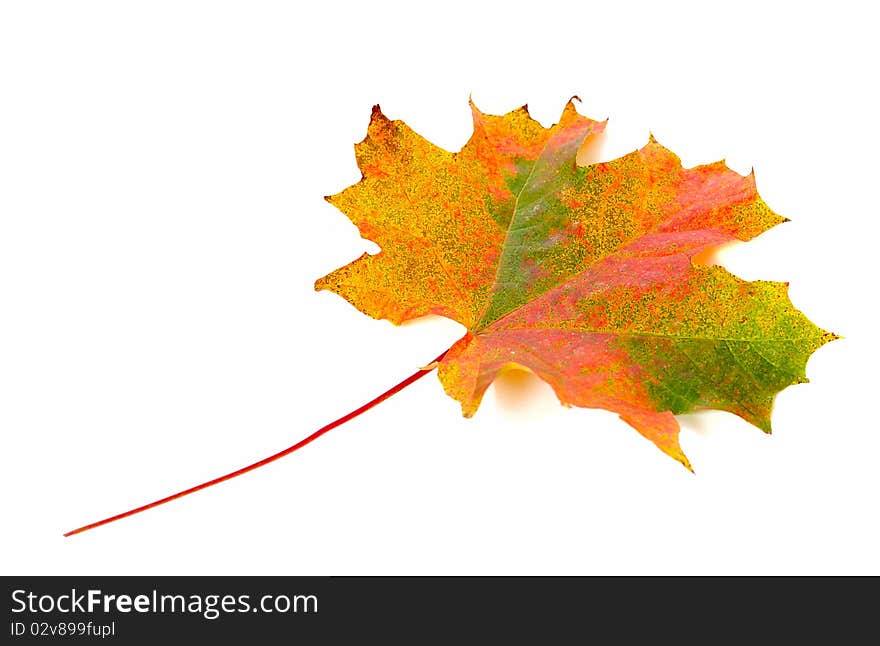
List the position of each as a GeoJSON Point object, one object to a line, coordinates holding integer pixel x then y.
{"type": "Point", "coordinates": [162, 168]}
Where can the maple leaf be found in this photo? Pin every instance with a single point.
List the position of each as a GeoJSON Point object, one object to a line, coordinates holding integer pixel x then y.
{"type": "Point", "coordinates": [583, 275]}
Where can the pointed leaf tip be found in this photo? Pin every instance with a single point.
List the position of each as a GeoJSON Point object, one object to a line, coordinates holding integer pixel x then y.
{"type": "Point", "coordinates": [377, 116]}
{"type": "Point", "coordinates": [570, 106]}
{"type": "Point", "coordinates": [570, 113]}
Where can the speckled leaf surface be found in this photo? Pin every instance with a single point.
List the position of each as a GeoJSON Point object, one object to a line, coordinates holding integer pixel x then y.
{"type": "Point", "coordinates": [583, 275]}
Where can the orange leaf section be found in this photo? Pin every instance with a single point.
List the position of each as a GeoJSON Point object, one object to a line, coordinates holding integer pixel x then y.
{"type": "Point", "coordinates": [431, 212]}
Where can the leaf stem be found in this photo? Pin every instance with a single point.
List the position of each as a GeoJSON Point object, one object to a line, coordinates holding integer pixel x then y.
{"type": "Point", "coordinates": [272, 458]}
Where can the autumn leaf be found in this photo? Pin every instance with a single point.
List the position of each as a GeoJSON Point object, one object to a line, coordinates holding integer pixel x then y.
{"type": "Point", "coordinates": [583, 275]}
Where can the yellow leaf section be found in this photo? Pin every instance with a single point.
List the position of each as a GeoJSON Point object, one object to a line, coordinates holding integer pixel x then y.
{"type": "Point", "coordinates": [413, 203]}
{"type": "Point", "coordinates": [439, 218]}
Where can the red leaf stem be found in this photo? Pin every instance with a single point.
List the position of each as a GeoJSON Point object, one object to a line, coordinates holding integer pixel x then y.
{"type": "Point", "coordinates": [272, 458]}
